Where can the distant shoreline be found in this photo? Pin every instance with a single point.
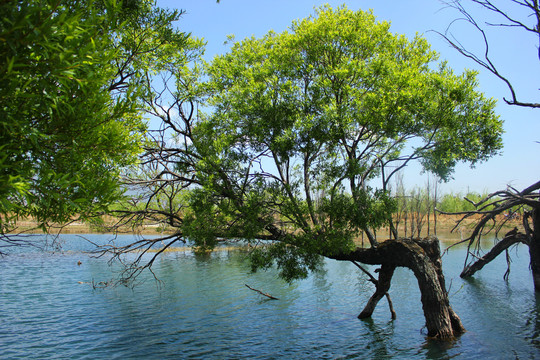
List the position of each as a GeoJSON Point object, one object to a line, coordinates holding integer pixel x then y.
{"type": "Point", "coordinates": [77, 227]}
{"type": "Point", "coordinates": [445, 223]}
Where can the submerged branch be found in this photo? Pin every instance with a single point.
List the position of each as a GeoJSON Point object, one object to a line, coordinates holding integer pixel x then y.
{"type": "Point", "coordinates": [262, 293]}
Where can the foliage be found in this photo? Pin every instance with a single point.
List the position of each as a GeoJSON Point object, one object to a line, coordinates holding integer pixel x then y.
{"type": "Point", "coordinates": [301, 134]}
{"type": "Point", "coordinates": [358, 85]}
{"type": "Point", "coordinates": [72, 78]}
{"type": "Point", "coordinates": [457, 202]}
{"type": "Point", "coordinates": [306, 122]}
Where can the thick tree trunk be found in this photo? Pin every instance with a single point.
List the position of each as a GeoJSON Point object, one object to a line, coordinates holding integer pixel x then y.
{"type": "Point", "coordinates": [423, 258]}
{"type": "Point", "coordinates": [433, 250]}
{"type": "Point", "coordinates": [534, 249]}
{"type": "Point", "coordinates": [441, 320]}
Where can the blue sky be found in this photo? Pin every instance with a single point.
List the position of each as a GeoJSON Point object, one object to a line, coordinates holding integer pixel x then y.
{"type": "Point", "coordinates": [514, 53]}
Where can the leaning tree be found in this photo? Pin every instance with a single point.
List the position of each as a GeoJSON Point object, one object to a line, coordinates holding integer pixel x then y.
{"type": "Point", "coordinates": [497, 208]}
{"type": "Point", "coordinates": [301, 134]}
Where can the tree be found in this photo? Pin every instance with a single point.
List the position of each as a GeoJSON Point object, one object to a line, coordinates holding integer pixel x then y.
{"type": "Point", "coordinates": [71, 75]}
{"type": "Point", "coordinates": [497, 208]}
{"type": "Point", "coordinates": [300, 127]}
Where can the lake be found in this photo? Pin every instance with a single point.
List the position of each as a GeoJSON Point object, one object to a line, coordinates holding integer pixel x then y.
{"type": "Point", "coordinates": [201, 309]}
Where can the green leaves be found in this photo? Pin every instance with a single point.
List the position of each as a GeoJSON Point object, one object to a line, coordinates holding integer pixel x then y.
{"type": "Point", "coordinates": [459, 121]}
{"type": "Point", "coordinates": [293, 262]}
{"type": "Point", "coordinates": [72, 76]}
{"type": "Point", "coordinates": [327, 111]}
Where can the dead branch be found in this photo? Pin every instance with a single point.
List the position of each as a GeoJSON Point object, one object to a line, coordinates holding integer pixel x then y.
{"type": "Point", "coordinates": [262, 293]}
{"type": "Point", "coordinates": [511, 238]}
{"type": "Point", "coordinates": [485, 60]}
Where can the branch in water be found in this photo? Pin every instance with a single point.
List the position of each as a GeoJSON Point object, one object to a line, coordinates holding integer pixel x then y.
{"type": "Point", "coordinates": [260, 292]}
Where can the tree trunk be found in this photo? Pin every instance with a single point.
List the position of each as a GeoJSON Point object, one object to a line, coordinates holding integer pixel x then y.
{"type": "Point", "coordinates": [534, 248]}
{"type": "Point", "coordinates": [435, 302]}
{"type": "Point", "coordinates": [435, 211]}
{"type": "Point", "coordinates": [434, 222]}
{"type": "Point", "coordinates": [383, 285]}
{"type": "Point", "coordinates": [423, 258]}
{"type": "Point", "coordinates": [371, 237]}
{"type": "Point", "coordinates": [393, 230]}
{"type": "Point", "coordinates": [428, 222]}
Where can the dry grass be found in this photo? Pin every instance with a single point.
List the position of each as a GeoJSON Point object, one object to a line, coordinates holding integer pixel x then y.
{"type": "Point", "coordinates": [445, 224]}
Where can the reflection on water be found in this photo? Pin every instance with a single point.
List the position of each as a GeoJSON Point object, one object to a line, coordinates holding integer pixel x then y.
{"type": "Point", "coordinates": [203, 310]}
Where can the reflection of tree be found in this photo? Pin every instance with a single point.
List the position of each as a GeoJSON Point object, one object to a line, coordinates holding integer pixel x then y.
{"type": "Point", "coordinates": [533, 321]}
{"type": "Point", "coordinates": [495, 208]}
{"type": "Point", "coordinates": [438, 349]}
{"type": "Point", "coordinates": [379, 341]}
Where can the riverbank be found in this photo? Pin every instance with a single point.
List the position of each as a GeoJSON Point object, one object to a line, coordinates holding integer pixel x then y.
{"type": "Point", "coordinates": [106, 225]}
{"type": "Point", "coordinates": [445, 228]}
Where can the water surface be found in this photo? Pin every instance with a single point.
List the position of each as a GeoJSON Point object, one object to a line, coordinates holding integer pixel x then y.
{"type": "Point", "coordinates": [202, 309]}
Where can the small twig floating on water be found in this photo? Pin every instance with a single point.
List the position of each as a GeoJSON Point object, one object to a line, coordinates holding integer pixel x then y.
{"type": "Point", "coordinates": [260, 292]}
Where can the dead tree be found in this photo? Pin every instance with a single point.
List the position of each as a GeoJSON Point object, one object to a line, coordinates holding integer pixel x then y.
{"type": "Point", "coordinates": [494, 206]}
{"type": "Point", "coordinates": [495, 211]}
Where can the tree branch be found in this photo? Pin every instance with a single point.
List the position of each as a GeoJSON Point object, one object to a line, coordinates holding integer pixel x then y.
{"type": "Point", "coordinates": [486, 62]}
{"type": "Point", "coordinates": [262, 293]}
{"type": "Point", "coordinates": [511, 238]}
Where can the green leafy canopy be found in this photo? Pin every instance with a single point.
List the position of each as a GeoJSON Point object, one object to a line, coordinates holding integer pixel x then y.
{"type": "Point", "coordinates": [73, 74]}
{"type": "Point", "coordinates": [320, 117]}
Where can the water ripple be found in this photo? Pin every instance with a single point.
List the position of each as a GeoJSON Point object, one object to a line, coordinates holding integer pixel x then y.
{"type": "Point", "coordinates": [203, 310]}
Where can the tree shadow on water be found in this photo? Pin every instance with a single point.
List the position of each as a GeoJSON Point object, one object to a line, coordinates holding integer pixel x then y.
{"type": "Point", "coordinates": [440, 349]}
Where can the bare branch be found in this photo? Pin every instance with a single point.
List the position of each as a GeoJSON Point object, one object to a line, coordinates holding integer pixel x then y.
{"type": "Point", "coordinates": [262, 293]}
{"type": "Point", "coordinates": [485, 61]}
{"type": "Point", "coordinates": [511, 238]}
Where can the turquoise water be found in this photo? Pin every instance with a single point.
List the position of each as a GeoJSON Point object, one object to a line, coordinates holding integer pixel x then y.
{"type": "Point", "coordinates": [201, 309]}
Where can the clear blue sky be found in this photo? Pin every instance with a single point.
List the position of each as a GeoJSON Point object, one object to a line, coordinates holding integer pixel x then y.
{"type": "Point", "coordinates": [514, 53]}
